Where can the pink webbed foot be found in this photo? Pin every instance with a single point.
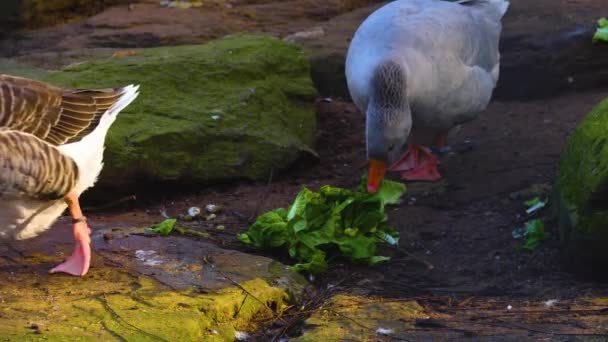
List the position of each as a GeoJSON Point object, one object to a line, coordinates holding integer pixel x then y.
{"type": "Point", "coordinates": [417, 164]}
{"type": "Point", "coordinates": [80, 260]}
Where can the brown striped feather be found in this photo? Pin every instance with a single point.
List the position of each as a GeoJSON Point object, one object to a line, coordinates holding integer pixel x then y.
{"type": "Point", "coordinates": [31, 167]}
{"type": "Point", "coordinates": [53, 114]}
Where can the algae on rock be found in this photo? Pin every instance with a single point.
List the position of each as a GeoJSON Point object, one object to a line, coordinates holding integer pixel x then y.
{"type": "Point", "coordinates": [580, 195]}
{"type": "Point", "coordinates": [205, 294]}
{"type": "Point", "coordinates": [356, 318]}
{"type": "Point", "coordinates": [116, 306]}
{"type": "Point", "coordinates": [236, 107]}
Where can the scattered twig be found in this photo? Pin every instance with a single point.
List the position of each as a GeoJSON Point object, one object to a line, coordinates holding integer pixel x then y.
{"type": "Point", "coordinates": [313, 303]}
{"type": "Point", "coordinates": [104, 302]}
{"type": "Point", "coordinates": [246, 292]}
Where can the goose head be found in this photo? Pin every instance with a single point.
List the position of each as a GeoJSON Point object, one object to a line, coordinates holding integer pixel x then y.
{"type": "Point", "coordinates": [388, 121]}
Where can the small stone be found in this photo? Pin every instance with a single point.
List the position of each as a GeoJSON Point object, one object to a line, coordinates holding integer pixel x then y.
{"type": "Point", "coordinates": [213, 208]}
{"type": "Point", "coordinates": [220, 227]}
{"type": "Point", "coordinates": [550, 303]}
{"type": "Point", "coordinates": [241, 335]}
{"type": "Point", "coordinates": [108, 236]}
{"type": "Point", "coordinates": [315, 33]}
{"type": "Point", "coordinates": [211, 217]}
{"type": "Point", "coordinates": [384, 331]}
{"type": "Point", "coordinates": [194, 211]}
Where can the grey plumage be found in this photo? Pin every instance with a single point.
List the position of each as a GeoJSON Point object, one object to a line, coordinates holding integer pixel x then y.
{"type": "Point", "coordinates": [447, 54]}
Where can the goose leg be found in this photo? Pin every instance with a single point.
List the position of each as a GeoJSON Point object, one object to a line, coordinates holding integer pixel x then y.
{"type": "Point", "coordinates": [441, 140]}
{"type": "Point", "coordinates": [417, 164]}
{"type": "Point", "coordinates": [78, 263]}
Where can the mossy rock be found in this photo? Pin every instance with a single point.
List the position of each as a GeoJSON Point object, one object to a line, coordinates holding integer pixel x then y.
{"type": "Point", "coordinates": [355, 318]}
{"type": "Point", "coordinates": [237, 107]}
{"type": "Point", "coordinates": [140, 288]}
{"type": "Point", "coordinates": [580, 195]}
{"type": "Point", "coordinates": [120, 307]}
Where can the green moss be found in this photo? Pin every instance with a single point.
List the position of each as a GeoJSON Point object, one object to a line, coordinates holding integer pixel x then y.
{"type": "Point", "coordinates": [231, 108]}
{"type": "Point", "coordinates": [581, 186]}
{"type": "Point", "coordinates": [354, 318]}
{"type": "Point", "coordinates": [114, 306]}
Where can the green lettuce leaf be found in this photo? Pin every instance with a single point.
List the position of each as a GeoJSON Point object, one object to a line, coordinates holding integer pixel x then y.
{"type": "Point", "coordinates": [601, 33]}
{"type": "Point", "coordinates": [164, 228]}
{"type": "Point", "coordinates": [317, 264]}
{"type": "Point", "coordinates": [535, 234]}
{"type": "Point", "coordinates": [268, 231]}
{"type": "Point", "coordinates": [331, 220]}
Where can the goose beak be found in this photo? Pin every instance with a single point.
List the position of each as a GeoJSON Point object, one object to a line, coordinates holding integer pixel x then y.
{"type": "Point", "coordinates": [376, 172]}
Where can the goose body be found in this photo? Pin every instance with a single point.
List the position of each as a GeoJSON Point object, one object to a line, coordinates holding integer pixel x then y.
{"type": "Point", "coordinates": [417, 68]}
{"type": "Point", "coordinates": [51, 151]}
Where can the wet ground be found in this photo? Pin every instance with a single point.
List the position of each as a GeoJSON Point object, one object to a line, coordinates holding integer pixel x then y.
{"type": "Point", "coordinates": [462, 225]}
{"type": "Point", "coordinates": [457, 257]}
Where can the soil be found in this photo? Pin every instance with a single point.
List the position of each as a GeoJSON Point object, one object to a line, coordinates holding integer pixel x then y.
{"type": "Point", "coordinates": [462, 225]}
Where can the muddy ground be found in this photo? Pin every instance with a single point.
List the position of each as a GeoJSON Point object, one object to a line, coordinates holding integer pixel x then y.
{"type": "Point", "coordinates": [462, 225]}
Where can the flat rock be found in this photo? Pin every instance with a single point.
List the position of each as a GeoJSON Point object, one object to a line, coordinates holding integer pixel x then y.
{"type": "Point", "coordinates": [355, 318]}
{"type": "Point", "coordinates": [140, 287]}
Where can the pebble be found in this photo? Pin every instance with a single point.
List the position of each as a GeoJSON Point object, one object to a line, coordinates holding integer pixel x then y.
{"type": "Point", "coordinates": [213, 208]}
{"type": "Point", "coordinates": [194, 211]}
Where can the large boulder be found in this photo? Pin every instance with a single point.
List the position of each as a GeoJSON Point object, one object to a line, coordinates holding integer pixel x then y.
{"type": "Point", "coordinates": [237, 107]}
{"type": "Point", "coordinates": [580, 196]}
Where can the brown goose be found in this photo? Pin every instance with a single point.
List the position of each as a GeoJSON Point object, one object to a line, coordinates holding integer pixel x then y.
{"type": "Point", "coordinates": [51, 150]}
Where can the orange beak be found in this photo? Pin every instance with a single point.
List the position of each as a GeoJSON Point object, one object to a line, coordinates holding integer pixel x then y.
{"type": "Point", "coordinates": [376, 172]}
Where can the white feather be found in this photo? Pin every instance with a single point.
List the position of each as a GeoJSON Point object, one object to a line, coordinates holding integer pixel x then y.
{"type": "Point", "coordinates": [26, 218]}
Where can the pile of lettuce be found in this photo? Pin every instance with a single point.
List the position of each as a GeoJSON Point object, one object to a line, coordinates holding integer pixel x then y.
{"type": "Point", "coordinates": [601, 33]}
{"type": "Point", "coordinates": [333, 220]}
